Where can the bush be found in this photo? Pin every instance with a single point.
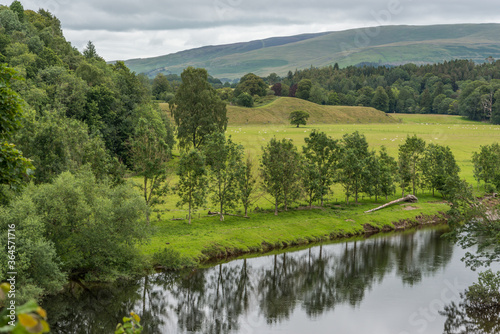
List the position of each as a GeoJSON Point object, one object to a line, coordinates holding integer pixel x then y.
{"type": "Point", "coordinates": [245, 100]}
{"type": "Point", "coordinates": [169, 258]}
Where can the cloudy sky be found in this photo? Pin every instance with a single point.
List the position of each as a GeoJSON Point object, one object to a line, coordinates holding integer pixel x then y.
{"type": "Point", "coordinates": [124, 29]}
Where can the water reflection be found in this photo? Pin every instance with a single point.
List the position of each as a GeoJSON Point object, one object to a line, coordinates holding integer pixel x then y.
{"type": "Point", "coordinates": [241, 295]}
{"type": "Point", "coordinates": [463, 319]}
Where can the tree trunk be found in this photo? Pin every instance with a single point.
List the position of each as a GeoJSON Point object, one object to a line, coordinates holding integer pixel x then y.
{"type": "Point", "coordinates": [408, 198]}
{"type": "Point", "coordinates": [146, 199]}
{"type": "Point", "coordinates": [221, 218]}
{"type": "Point", "coordinates": [246, 210]}
{"type": "Point", "coordinates": [189, 221]}
{"type": "Point", "coordinates": [276, 207]}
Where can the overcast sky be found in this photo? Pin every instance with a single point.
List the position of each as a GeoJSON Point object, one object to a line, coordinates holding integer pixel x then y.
{"type": "Point", "coordinates": [124, 29]}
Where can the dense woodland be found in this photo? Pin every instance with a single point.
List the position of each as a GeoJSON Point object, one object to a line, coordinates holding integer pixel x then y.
{"type": "Point", "coordinates": [87, 126]}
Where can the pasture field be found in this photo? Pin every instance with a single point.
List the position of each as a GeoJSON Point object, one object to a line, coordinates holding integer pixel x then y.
{"type": "Point", "coordinates": [207, 237]}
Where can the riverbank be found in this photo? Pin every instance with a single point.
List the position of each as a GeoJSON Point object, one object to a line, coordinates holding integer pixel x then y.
{"type": "Point", "coordinates": [209, 239]}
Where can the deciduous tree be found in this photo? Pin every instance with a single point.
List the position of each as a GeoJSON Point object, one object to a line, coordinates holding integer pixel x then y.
{"type": "Point", "coordinates": [197, 109]}
{"type": "Point", "coordinates": [298, 117]}
{"type": "Point", "coordinates": [192, 180]}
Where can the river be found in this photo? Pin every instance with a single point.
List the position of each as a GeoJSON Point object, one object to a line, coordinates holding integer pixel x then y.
{"type": "Point", "coordinates": [387, 283]}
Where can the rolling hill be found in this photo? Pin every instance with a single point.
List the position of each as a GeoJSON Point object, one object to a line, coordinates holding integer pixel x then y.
{"type": "Point", "coordinates": [386, 45]}
{"type": "Point", "coordinates": [277, 112]}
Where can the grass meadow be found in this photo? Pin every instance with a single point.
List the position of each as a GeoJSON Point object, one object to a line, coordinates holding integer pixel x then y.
{"type": "Point", "coordinates": [208, 237]}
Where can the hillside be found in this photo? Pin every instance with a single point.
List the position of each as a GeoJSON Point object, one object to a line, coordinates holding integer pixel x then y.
{"type": "Point", "coordinates": [278, 111]}
{"type": "Point", "coordinates": [390, 45]}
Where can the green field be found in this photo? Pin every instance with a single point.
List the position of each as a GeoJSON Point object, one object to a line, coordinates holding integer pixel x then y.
{"type": "Point", "coordinates": [207, 236]}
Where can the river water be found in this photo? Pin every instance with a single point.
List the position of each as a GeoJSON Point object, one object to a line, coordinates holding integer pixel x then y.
{"type": "Point", "coordinates": [388, 283]}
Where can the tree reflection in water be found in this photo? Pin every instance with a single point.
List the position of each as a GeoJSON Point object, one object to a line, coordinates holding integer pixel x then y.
{"type": "Point", "coordinates": [232, 296]}
{"type": "Point", "coordinates": [461, 319]}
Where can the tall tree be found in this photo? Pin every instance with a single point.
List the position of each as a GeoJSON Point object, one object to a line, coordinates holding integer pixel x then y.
{"type": "Point", "coordinates": [197, 109]}
{"type": "Point", "coordinates": [303, 89]}
{"type": "Point", "coordinates": [280, 170]}
{"type": "Point", "coordinates": [149, 154]}
{"type": "Point", "coordinates": [438, 164]}
{"type": "Point", "coordinates": [160, 86]}
{"type": "Point", "coordinates": [380, 99]}
{"type": "Point", "coordinates": [410, 154]}
{"type": "Point", "coordinates": [251, 84]}
{"type": "Point", "coordinates": [487, 163]}
{"type": "Point", "coordinates": [388, 172]}
{"type": "Point", "coordinates": [246, 184]}
{"type": "Point", "coordinates": [15, 169]}
{"type": "Point", "coordinates": [321, 155]}
{"type": "Point", "coordinates": [192, 180]}
{"type": "Point", "coordinates": [353, 163]}
{"type": "Point", "coordinates": [224, 161]}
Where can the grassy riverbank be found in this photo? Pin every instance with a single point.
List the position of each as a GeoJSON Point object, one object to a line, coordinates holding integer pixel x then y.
{"type": "Point", "coordinates": [207, 237]}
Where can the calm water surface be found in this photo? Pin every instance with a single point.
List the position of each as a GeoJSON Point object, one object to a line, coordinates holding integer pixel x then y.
{"type": "Point", "coordinates": [392, 283]}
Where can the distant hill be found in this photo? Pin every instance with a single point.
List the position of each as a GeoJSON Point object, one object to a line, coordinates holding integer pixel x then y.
{"type": "Point", "coordinates": [278, 111]}
{"type": "Point", "coordinates": [386, 45]}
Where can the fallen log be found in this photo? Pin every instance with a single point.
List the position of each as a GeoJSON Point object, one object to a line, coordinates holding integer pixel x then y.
{"type": "Point", "coordinates": [212, 213]}
{"type": "Point", "coordinates": [407, 198]}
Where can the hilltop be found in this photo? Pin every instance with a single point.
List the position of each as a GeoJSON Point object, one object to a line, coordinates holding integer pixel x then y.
{"type": "Point", "coordinates": [386, 45]}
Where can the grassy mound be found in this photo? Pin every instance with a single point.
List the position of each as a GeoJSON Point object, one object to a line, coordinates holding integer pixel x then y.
{"type": "Point", "coordinates": [278, 111]}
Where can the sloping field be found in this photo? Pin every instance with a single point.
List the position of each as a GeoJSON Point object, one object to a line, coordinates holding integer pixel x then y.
{"type": "Point", "coordinates": [278, 111]}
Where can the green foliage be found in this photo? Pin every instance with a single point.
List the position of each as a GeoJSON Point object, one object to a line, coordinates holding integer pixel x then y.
{"type": "Point", "coordinates": [321, 155]}
{"type": "Point", "coordinates": [224, 162]}
{"type": "Point", "coordinates": [150, 154]}
{"type": "Point", "coordinates": [245, 100]}
{"type": "Point", "coordinates": [130, 325]}
{"type": "Point", "coordinates": [410, 154]}
{"type": "Point", "coordinates": [161, 87]}
{"type": "Point", "coordinates": [438, 164]}
{"type": "Point", "coordinates": [304, 89]}
{"type": "Point", "coordinates": [197, 109]}
{"type": "Point", "coordinates": [17, 8]}
{"type": "Point", "coordinates": [247, 184]}
{"type": "Point", "coordinates": [252, 85]}
{"type": "Point", "coordinates": [380, 99]}
{"type": "Point", "coordinates": [94, 227]}
{"type": "Point", "coordinates": [171, 259]}
{"type": "Point", "coordinates": [487, 163]}
{"type": "Point", "coordinates": [486, 292]}
{"type": "Point", "coordinates": [388, 173]}
{"type": "Point", "coordinates": [354, 161]}
{"type": "Point", "coordinates": [280, 171]}
{"type": "Point", "coordinates": [192, 180]}
{"type": "Point", "coordinates": [298, 117]}
{"type": "Point", "coordinates": [15, 169]}
{"type": "Point", "coordinates": [38, 265]}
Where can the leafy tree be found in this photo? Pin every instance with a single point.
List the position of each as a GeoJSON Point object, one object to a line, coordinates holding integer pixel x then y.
{"type": "Point", "coordinates": [192, 180]}
{"type": "Point", "coordinates": [321, 154]}
{"type": "Point", "coordinates": [438, 164]}
{"type": "Point", "coordinates": [333, 99]}
{"type": "Point", "coordinates": [251, 84]}
{"type": "Point", "coordinates": [388, 172]}
{"type": "Point", "coordinates": [95, 227]}
{"type": "Point", "coordinates": [298, 117]}
{"type": "Point", "coordinates": [487, 163]}
{"type": "Point", "coordinates": [90, 51]}
{"type": "Point", "coordinates": [280, 170]}
{"type": "Point", "coordinates": [161, 86]}
{"type": "Point", "coordinates": [246, 184]}
{"type": "Point", "coordinates": [245, 100]}
{"type": "Point", "coordinates": [380, 99]}
{"type": "Point", "coordinates": [277, 88]}
{"type": "Point", "coordinates": [150, 154]}
{"type": "Point", "coordinates": [39, 269]}
{"type": "Point", "coordinates": [197, 109]}
{"type": "Point", "coordinates": [410, 154]}
{"type": "Point", "coordinates": [317, 94]}
{"type": "Point", "coordinates": [224, 161]}
{"type": "Point", "coordinates": [17, 8]}
{"type": "Point", "coordinates": [15, 169]}
{"type": "Point", "coordinates": [353, 162]}
{"type": "Point", "coordinates": [303, 89]}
